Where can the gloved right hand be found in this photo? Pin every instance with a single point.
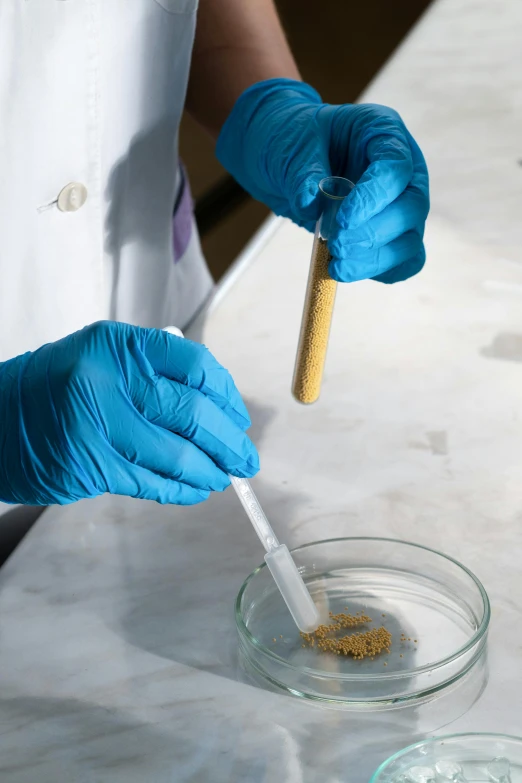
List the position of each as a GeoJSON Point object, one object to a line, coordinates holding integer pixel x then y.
{"type": "Point", "coordinates": [280, 140]}
{"type": "Point", "coordinates": [120, 409]}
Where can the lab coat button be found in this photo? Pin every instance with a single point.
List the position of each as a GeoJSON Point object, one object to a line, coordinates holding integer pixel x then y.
{"type": "Point", "coordinates": [72, 197]}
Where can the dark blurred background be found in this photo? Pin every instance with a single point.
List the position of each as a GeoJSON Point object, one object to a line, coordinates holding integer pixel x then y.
{"type": "Point", "coordinates": [338, 50]}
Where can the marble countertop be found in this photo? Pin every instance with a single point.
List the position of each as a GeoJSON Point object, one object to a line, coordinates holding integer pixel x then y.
{"type": "Point", "coordinates": [117, 639]}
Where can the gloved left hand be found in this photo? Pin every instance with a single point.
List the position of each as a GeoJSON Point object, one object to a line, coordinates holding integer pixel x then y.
{"type": "Point", "coordinates": [280, 140]}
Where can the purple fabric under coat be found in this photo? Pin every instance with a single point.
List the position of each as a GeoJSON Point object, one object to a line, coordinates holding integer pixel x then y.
{"type": "Point", "coordinates": [183, 222]}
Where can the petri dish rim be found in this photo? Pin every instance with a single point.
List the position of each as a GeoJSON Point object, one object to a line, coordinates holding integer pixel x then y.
{"type": "Point", "coordinates": [472, 641]}
{"type": "Point", "coordinates": [414, 699]}
{"type": "Point", "coordinates": [483, 735]}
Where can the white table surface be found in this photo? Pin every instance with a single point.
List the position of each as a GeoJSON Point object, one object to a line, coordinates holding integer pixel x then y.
{"type": "Point", "coordinates": [117, 641]}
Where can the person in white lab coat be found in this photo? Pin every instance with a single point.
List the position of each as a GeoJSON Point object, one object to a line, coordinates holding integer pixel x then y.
{"type": "Point", "coordinates": [99, 249]}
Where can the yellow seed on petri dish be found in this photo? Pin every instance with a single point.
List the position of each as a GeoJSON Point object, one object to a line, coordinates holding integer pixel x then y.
{"type": "Point", "coordinates": [358, 645]}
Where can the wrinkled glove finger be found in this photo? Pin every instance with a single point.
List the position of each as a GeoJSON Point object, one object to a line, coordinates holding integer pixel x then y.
{"type": "Point", "coordinates": [420, 168]}
{"type": "Point", "coordinates": [407, 213]}
{"type": "Point", "coordinates": [388, 174]}
{"type": "Point", "coordinates": [165, 453]}
{"type": "Point", "coordinates": [420, 181]}
{"type": "Point", "coordinates": [138, 482]}
{"type": "Point", "coordinates": [305, 199]}
{"type": "Point", "coordinates": [363, 264]}
{"type": "Point", "coordinates": [193, 365]}
{"type": "Point", "coordinates": [404, 271]}
{"type": "Point", "coordinates": [191, 414]}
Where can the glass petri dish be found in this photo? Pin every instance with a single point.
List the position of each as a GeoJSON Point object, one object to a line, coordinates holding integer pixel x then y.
{"type": "Point", "coordinates": [496, 758]}
{"type": "Point", "coordinates": [436, 610]}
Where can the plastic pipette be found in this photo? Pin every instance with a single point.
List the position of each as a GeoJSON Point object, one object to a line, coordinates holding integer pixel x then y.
{"type": "Point", "coordinates": [278, 558]}
{"type": "Point", "coordinates": [279, 561]}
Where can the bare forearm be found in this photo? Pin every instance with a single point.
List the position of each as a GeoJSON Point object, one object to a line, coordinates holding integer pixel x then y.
{"type": "Point", "coordinates": [238, 43]}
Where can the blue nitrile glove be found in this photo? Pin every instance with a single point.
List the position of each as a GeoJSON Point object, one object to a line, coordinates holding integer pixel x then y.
{"type": "Point", "coordinates": [280, 140]}
{"type": "Point", "coordinates": [115, 408]}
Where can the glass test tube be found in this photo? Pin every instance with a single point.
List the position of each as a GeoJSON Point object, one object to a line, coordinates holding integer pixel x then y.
{"type": "Point", "coordinates": [319, 298]}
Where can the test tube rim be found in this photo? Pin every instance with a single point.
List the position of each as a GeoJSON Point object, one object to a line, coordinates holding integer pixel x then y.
{"type": "Point", "coordinates": [322, 187]}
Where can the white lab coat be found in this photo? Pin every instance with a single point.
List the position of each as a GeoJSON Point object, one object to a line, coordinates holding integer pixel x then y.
{"type": "Point", "coordinates": [91, 92]}
{"type": "Point", "coordinates": [91, 95]}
